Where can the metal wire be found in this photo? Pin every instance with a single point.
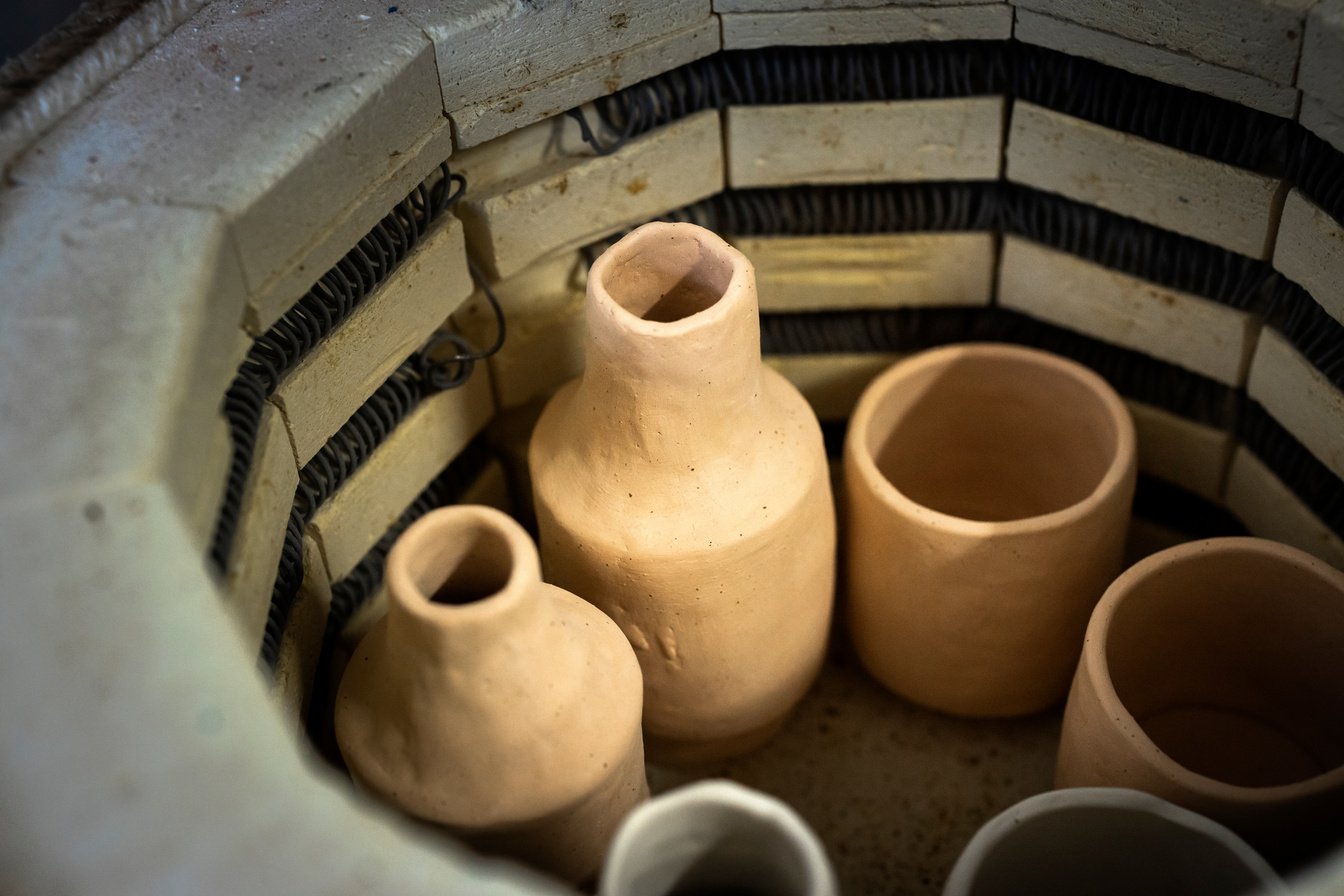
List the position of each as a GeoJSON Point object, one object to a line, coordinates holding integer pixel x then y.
{"type": "Point", "coordinates": [335, 295]}
{"type": "Point", "coordinates": [1310, 480]}
{"type": "Point", "coordinates": [780, 75]}
{"type": "Point", "coordinates": [1133, 374]}
{"type": "Point", "coordinates": [1176, 116]}
{"type": "Point", "coordinates": [343, 454]}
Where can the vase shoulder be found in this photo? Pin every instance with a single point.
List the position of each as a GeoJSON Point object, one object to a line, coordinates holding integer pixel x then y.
{"type": "Point", "coordinates": [747, 475]}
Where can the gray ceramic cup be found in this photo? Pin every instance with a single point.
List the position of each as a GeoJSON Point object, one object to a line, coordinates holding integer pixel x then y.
{"type": "Point", "coordinates": [1107, 841]}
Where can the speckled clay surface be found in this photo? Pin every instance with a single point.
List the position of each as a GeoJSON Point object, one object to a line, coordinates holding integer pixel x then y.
{"type": "Point", "coordinates": [504, 709]}
{"type": "Point", "coordinates": [988, 492]}
{"type": "Point", "coordinates": [1213, 676]}
{"type": "Point", "coordinates": [682, 487]}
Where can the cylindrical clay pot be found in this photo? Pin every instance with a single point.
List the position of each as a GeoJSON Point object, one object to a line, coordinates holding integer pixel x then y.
{"type": "Point", "coordinates": [716, 837]}
{"type": "Point", "coordinates": [1213, 676]}
{"type": "Point", "coordinates": [682, 487]}
{"type": "Point", "coordinates": [502, 708]}
{"type": "Point", "coordinates": [1107, 841]}
{"type": "Point", "coordinates": [988, 492]}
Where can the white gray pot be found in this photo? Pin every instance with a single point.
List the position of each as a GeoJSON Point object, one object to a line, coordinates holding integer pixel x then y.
{"type": "Point", "coordinates": [1107, 841]}
{"type": "Point", "coordinates": [716, 837]}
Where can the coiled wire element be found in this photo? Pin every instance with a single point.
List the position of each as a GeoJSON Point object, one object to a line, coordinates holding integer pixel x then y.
{"type": "Point", "coordinates": [1318, 171]}
{"type": "Point", "coordinates": [335, 295]}
{"type": "Point", "coordinates": [897, 330]}
{"type": "Point", "coordinates": [1312, 481]}
{"type": "Point", "coordinates": [780, 75]}
{"type": "Point", "coordinates": [1164, 113]}
{"type": "Point", "coordinates": [422, 374]}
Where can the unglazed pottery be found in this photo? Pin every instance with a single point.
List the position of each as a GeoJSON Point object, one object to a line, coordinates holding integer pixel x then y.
{"type": "Point", "coordinates": [1213, 676]}
{"type": "Point", "coordinates": [502, 708]}
{"type": "Point", "coordinates": [716, 837]}
{"type": "Point", "coordinates": [682, 487]}
{"type": "Point", "coordinates": [1107, 841]}
{"type": "Point", "coordinates": [988, 489]}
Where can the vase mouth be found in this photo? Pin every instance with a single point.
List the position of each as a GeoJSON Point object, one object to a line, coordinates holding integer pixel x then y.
{"type": "Point", "coordinates": [462, 560]}
{"type": "Point", "coordinates": [1032, 442]}
{"type": "Point", "coordinates": [665, 278]}
{"type": "Point", "coordinates": [1218, 651]}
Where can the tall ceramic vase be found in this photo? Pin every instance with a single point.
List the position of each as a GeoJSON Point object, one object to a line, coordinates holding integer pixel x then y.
{"type": "Point", "coordinates": [1213, 676]}
{"type": "Point", "coordinates": [682, 487]}
{"type": "Point", "coordinates": [988, 493]}
{"type": "Point", "coordinates": [502, 708]}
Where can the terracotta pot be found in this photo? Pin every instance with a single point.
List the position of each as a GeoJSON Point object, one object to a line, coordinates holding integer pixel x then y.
{"type": "Point", "coordinates": [1107, 841]}
{"type": "Point", "coordinates": [502, 708]}
{"type": "Point", "coordinates": [1213, 676]}
{"type": "Point", "coordinates": [716, 837]}
{"type": "Point", "coordinates": [988, 492]}
{"type": "Point", "coordinates": [682, 487]}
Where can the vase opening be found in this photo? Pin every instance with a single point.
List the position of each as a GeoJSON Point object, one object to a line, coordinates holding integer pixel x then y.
{"type": "Point", "coordinates": [661, 275]}
{"type": "Point", "coordinates": [1232, 662]}
{"type": "Point", "coordinates": [476, 564]}
{"type": "Point", "coordinates": [995, 435]}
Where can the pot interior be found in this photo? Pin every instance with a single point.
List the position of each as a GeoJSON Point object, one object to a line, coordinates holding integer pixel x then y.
{"type": "Point", "coordinates": [993, 436]}
{"type": "Point", "coordinates": [663, 274]}
{"type": "Point", "coordinates": [1108, 851]}
{"type": "Point", "coordinates": [714, 851]}
{"type": "Point", "coordinates": [1233, 664]}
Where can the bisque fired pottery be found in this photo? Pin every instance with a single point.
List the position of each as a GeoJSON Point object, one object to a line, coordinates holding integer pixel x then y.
{"type": "Point", "coordinates": [682, 487]}
{"type": "Point", "coordinates": [1107, 841]}
{"type": "Point", "coordinates": [716, 837]}
{"type": "Point", "coordinates": [1213, 676]}
{"type": "Point", "coordinates": [988, 490]}
{"type": "Point", "coordinates": [502, 708]}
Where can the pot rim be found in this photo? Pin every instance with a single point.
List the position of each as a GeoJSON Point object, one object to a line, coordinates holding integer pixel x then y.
{"type": "Point", "coordinates": [1121, 467]}
{"type": "Point", "coordinates": [404, 593]}
{"type": "Point", "coordinates": [705, 796]}
{"type": "Point", "coordinates": [1095, 654]}
{"type": "Point", "coordinates": [991, 833]}
{"type": "Point", "coordinates": [740, 284]}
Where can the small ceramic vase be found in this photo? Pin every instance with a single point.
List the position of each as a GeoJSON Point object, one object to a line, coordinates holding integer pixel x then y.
{"type": "Point", "coordinates": [1213, 676]}
{"type": "Point", "coordinates": [682, 487]}
{"type": "Point", "coordinates": [716, 837]}
{"type": "Point", "coordinates": [502, 708]}
{"type": "Point", "coordinates": [988, 493]}
{"type": "Point", "coordinates": [1107, 841]}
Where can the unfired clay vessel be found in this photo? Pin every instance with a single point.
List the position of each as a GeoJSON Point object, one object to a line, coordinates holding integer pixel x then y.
{"type": "Point", "coordinates": [988, 491]}
{"type": "Point", "coordinates": [1213, 676]}
{"type": "Point", "coordinates": [502, 708]}
{"type": "Point", "coordinates": [682, 487]}
{"type": "Point", "coordinates": [716, 837]}
{"type": "Point", "coordinates": [1107, 841]}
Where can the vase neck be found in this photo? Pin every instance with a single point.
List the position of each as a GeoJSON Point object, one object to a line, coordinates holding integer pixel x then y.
{"type": "Point", "coordinates": [673, 350]}
{"type": "Point", "coordinates": [458, 578]}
